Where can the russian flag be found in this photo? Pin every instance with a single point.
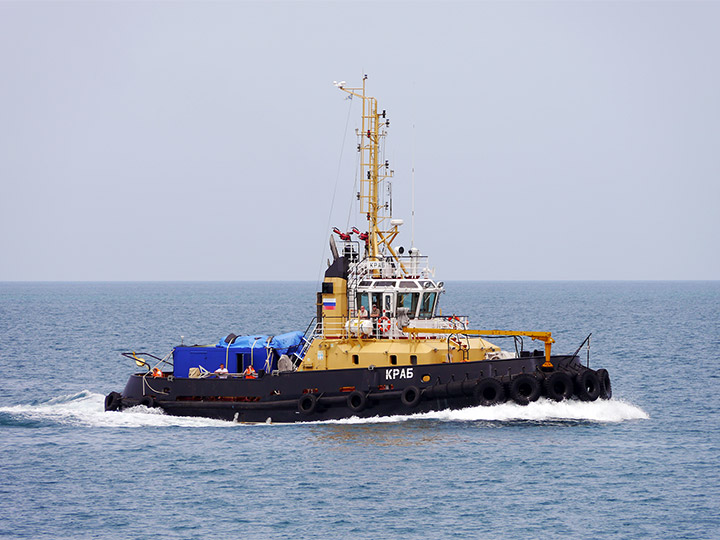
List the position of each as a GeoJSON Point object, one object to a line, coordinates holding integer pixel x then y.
{"type": "Point", "coordinates": [329, 303]}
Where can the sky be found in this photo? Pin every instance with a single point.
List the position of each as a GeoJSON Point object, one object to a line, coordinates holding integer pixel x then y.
{"type": "Point", "coordinates": [206, 141]}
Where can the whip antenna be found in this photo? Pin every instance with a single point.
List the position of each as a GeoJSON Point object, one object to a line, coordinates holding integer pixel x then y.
{"type": "Point", "coordinates": [412, 196]}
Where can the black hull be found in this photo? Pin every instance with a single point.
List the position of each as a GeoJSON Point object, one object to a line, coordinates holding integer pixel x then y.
{"type": "Point", "coordinates": [332, 395]}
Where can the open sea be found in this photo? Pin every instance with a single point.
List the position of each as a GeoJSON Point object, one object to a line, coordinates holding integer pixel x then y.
{"type": "Point", "coordinates": [645, 464]}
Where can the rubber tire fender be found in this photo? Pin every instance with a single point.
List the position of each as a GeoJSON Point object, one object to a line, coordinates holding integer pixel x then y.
{"type": "Point", "coordinates": [587, 385]}
{"type": "Point", "coordinates": [558, 386]}
{"type": "Point", "coordinates": [356, 401]}
{"type": "Point", "coordinates": [113, 401]}
{"type": "Point", "coordinates": [439, 391]}
{"type": "Point", "coordinates": [605, 385]}
{"type": "Point", "coordinates": [411, 396]}
{"type": "Point", "coordinates": [489, 391]}
{"type": "Point", "coordinates": [307, 404]}
{"type": "Point", "coordinates": [147, 401]}
{"type": "Point", "coordinates": [524, 388]}
{"type": "Point", "coordinates": [455, 388]}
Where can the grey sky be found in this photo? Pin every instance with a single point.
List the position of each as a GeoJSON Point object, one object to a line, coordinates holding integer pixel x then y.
{"type": "Point", "coordinates": [201, 141]}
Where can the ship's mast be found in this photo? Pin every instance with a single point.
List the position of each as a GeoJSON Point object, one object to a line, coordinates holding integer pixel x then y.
{"type": "Point", "coordinates": [381, 231]}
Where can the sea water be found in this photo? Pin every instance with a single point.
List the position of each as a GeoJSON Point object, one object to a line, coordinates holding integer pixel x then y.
{"type": "Point", "coordinates": [646, 463]}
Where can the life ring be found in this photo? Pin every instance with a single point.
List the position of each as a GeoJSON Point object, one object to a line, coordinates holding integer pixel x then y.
{"type": "Point", "coordinates": [558, 386]}
{"type": "Point", "coordinates": [113, 401]}
{"type": "Point", "coordinates": [587, 385]}
{"type": "Point", "coordinates": [147, 401]}
{"type": "Point", "coordinates": [605, 385]}
{"type": "Point", "coordinates": [411, 396]}
{"type": "Point", "coordinates": [489, 391]}
{"type": "Point", "coordinates": [384, 324]}
{"type": "Point", "coordinates": [524, 388]}
{"type": "Point", "coordinates": [456, 322]}
{"type": "Point", "coordinates": [307, 404]}
{"type": "Point", "coordinates": [356, 401]}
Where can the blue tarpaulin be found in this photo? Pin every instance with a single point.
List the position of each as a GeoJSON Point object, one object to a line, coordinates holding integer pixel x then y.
{"type": "Point", "coordinates": [260, 350]}
{"type": "Point", "coordinates": [282, 344]}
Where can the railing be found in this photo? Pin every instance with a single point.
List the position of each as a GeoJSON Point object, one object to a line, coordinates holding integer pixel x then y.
{"type": "Point", "coordinates": [409, 267]}
{"type": "Point", "coordinates": [310, 333]}
{"type": "Point", "coordinates": [387, 327]}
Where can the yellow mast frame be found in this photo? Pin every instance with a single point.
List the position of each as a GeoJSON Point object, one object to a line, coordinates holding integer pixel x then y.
{"type": "Point", "coordinates": [372, 172]}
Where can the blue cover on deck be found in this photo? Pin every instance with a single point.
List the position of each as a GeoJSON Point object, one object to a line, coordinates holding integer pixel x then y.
{"type": "Point", "coordinates": [261, 350]}
{"type": "Point", "coordinates": [283, 344]}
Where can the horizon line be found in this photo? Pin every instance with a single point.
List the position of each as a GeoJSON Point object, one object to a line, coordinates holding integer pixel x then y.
{"type": "Point", "coordinates": [617, 280]}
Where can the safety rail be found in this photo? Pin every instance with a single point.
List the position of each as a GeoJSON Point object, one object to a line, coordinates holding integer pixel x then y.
{"type": "Point", "coordinates": [368, 328]}
{"type": "Point", "coordinates": [141, 359]}
{"type": "Point", "coordinates": [384, 327]}
{"type": "Point", "coordinates": [311, 328]}
{"type": "Point", "coordinates": [408, 267]}
{"type": "Point", "coordinates": [307, 339]}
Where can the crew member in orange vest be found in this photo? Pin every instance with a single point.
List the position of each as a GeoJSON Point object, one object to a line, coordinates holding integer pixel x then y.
{"type": "Point", "coordinates": [250, 372]}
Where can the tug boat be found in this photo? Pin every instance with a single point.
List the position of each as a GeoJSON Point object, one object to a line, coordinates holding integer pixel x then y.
{"type": "Point", "coordinates": [378, 346]}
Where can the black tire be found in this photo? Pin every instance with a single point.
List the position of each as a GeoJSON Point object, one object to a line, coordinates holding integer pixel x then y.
{"type": "Point", "coordinates": [356, 401]}
{"type": "Point", "coordinates": [489, 391]}
{"type": "Point", "coordinates": [147, 401]}
{"type": "Point", "coordinates": [524, 388]}
{"type": "Point", "coordinates": [455, 388]}
{"type": "Point", "coordinates": [113, 401]}
{"type": "Point", "coordinates": [468, 387]}
{"type": "Point", "coordinates": [605, 385]}
{"type": "Point", "coordinates": [411, 396]}
{"type": "Point", "coordinates": [559, 386]}
{"type": "Point", "coordinates": [439, 391]}
{"type": "Point", "coordinates": [307, 404]}
{"type": "Point", "coordinates": [587, 385]}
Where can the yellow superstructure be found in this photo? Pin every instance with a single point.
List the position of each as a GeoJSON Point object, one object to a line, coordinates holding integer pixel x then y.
{"type": "Point", "coordinates": [380, 308]}
{"type": "Point", "coordinates": [345, 353]}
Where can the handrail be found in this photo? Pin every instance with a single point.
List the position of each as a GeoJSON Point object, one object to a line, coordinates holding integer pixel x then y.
{"type": "Point", "coordinates": [416, 266]}
{"type": "Point", "coordinates": [313, 324]}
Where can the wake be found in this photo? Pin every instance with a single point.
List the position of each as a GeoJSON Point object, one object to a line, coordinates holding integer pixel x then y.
{"type": "Point", "coordinates": [87, 409]}
{"type": "Point", "coordinates": [543, 410]}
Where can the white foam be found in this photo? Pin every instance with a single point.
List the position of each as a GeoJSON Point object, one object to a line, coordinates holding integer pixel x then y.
{"type": "Point", "coordinates": [543, 410]}
{"type": "Point", "coordinates": [87, 409]}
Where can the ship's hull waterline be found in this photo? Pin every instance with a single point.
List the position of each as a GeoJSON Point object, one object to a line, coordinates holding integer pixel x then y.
{"type": "Point", "coordinates": [367, 392]}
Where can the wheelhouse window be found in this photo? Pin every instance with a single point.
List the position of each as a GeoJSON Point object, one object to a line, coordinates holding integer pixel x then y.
{"type": "Point", "coordinates": [362, 300]}
{"type": "Point", "coordinates": [427, 305]}
{"type": "Point", "coordinates": [408, 300]}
